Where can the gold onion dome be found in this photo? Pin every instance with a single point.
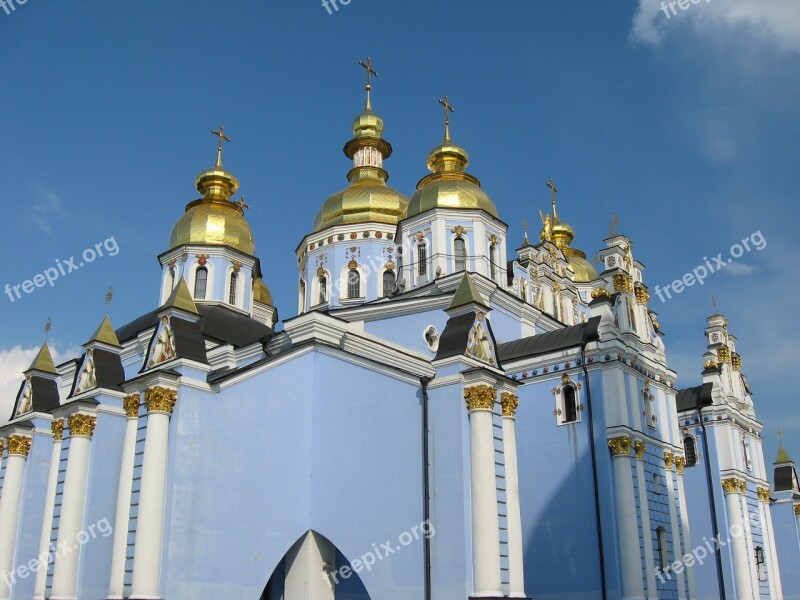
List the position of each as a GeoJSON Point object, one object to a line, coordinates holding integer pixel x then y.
{"type": "Point", "coordinates": [449, 185]}
{"type": "Point", "coordinates": [261, 292]}
{"type": "Point", "coordinates": [562, 235]}
{"type": "Point", "coordinates": [214, 219]}
{"type": "Point", "coordinates": [367, 199]}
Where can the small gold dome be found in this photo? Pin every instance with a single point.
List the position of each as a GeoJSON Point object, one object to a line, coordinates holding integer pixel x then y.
{"type": "Point", "coordinates": [261, 292]}
{"type": "Point", "coordinates": [214, 219]}
{"type": "Point", "coordinates": [368, 124]}
{"type": "Point", "coordinates": [367, 200]}
{"type": "Point", "coordinates": [562, 235]}
{"type": "Point", "coordinates": [583, 271]}
{"type": "Point", "coordinates": [449, 185]}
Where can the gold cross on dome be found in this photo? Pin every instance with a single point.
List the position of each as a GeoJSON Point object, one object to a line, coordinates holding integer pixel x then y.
{"type": "Point", "coordinates": [448, 108]}
{"type": "Point", "coordinates": [370, 73]}
{"type": "Point", "coordinates": [553, 192]}
{"type": "Point", "coordinates": [220, 133]}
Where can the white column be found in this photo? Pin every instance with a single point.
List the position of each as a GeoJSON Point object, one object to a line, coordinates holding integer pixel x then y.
{"type": "Point", "coordinates": [40, 586]}
{"type": "Point", "coordinates": [649, 560]}
{"type": "Point", "coordinates": [306, 572]}
{"type": "Point", "coordinates": [150, 520]}
{"type": "Point", "coordinates": [515, 565]}
{"type": "Point", "coordinates": [18, 448]}
{"type": "Point", "coordinates": [736, 530]}
{"type": "Point", "coordinates": [485, 522]}
{"type": "Point", "coordinates": [687, 532]}
{"type": "Point", "coordinates": [73, 504]}
{"type": "Point", "coordinates": [627, 523]}
{"type": "Point", "coordinates": [124, 488]}
{"type": "Point", "coordinates": [679, 550]}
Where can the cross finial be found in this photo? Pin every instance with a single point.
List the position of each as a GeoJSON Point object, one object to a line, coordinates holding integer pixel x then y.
{"type": "Point", "coordinates": [448, 108]}
{"type": "Point", "coordinates": [714, 303]}
{"type": "Point", "coordinates": [553, 192]}
{"type": "Point", "coordinates": [370, 73]}
{"type": "Point", "coordinates": [241, 203]}
{"type": "Point", "coordinates": [780, 436]}
{"type": "Point", "coordinates": [47, 327]}
{"type": "Point", "coordinates": [612, 228]}
{"type": "Point", "coordinates": [220, 133]}
{"type": "Point", "coordinates": [109, 296]}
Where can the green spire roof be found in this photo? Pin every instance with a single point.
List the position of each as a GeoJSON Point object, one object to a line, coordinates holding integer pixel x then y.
{"type": "Point", "coordinates": [44, 361]}
{"type": "Point", "coordinates": [783, 456]}
{"type": "Point", "coordinates": [105, 334]}
{"type": "Point", "coordinates": [181, 298]}
{"type": "Point", "coordinates": [466, 294]}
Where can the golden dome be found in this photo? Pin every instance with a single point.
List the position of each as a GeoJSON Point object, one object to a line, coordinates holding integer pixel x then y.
{"type": "Point", "coordinates": [214, 219]}
{"type": "Point", "coordinates": [583, 271]}
{"type": "Point", "coordinates": [261, 292]}
{"type": "Point", "coordinates": [562, 235]}
{"type": "Point", "coordinates": [449, 185]}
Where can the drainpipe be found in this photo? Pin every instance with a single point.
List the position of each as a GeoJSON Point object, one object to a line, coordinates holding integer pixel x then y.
{"type": "Point", "coordinates": [714, 526]}
{"type": "Point", "coordinates": [426, 493]}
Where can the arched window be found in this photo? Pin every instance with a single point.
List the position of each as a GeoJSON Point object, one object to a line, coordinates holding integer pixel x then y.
{"type": "Point", "coordinates": [171, 278]}
{"type": "Point", "coordinates": [200, 283]}
{"type": "Point", "coordinates": [422, 258]}
{"type": "Point", "coordinates": [493, 261]}
{"type": "Point", "coordinates": [690, 449]}
{"type": "Point", "coordinates": [388, 283]}
{"type": "Point", "coordinates": [460, 251]}
{"type": "Point", "coordinates": [232, 288]}
{"type": "Point", "coordinates": [353, 284]}
{"type": "Point", "coordinates": [661, 540]}
{"type": "Point", "coordinates": [658, 486]}
{"type": "Point", "coordinates": [323, 289]}
{"type": "Point", "coordinates": [570, 404]}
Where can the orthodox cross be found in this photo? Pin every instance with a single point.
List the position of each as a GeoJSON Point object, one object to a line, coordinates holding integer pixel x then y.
{"type": "Point", "coordinates": [448, 108]}
{"type": "Point", "coordinates": [525, 228]}
{"type": "Point", "coordinates": [109, 296]}
{"type": "Point", "coordinates": [47, 327]}
{"type": "Point", "coordinates": [714, 303]}
{"type": "Point", "coordinates": [220, 133]}
{"type": "Point", "coordinates": [370, 73]}
{"type": "Point", "coordinates": [241, 203]}
{"type": "Point", "coordinates": [780, 436]}
{"type": "Point", "coordinates": [612, 229]}
{"type": "Point", "coordinates": [553, 192]}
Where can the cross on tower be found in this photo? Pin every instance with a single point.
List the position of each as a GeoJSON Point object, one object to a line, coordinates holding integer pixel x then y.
{"type": "Point", "coordinates": [448, 108]}
{"type": "Point", "coordinates": [612, 228]}
{"type": "Point", "coordinates": [47, 327]}
{"type": "Point", "coordinates": [222, 138]}
{"type": "Point", "coordinates": [553, 192]}
{"type": "Point", "coordinates": [714, 303]}
{"type": "Point", "coordinates": [370, 72]}
{"type": "Point", "coordinates": [109, 296]}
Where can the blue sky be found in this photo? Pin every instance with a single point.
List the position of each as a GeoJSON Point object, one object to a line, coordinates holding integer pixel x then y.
{"type": "Point", "coordinates": [688, 127]}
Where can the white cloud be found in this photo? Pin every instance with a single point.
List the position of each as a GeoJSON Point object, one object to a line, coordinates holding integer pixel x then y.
{"type": "Point", "coordinates": [12, 363]}
{"type": "Point", "coordinates": [45, 206]}
{"type": "Point", "coordinates": [773, 22]}
{"type": "Point", "coordinates": [737, 268]}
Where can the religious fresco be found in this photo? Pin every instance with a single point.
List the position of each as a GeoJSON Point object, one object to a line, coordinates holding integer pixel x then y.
{"type": "Point", "coordinates": [163, 345]}
{"type": "Point", "coordinates": [25, 400]}
{"type": "Point", "coordinates": [86, 379]}
{"type": "Point", "coordinates": [479, 343]}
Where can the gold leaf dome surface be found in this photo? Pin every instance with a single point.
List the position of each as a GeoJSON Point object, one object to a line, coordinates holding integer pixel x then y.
{"type": "Point", "coordinates": [261, 292]}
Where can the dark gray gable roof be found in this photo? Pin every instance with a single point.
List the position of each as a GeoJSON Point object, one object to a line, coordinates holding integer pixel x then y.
{"type": "Point", "coordinates": [560, 339]}
{"type": "Point", "coordinates": [216, 322]}
{"type": "Point", "coordinates": [45, 395]}
{"type": "Point", "coordinates": [108, 370]}
{"type": "Point", "coordinates": [189, 342]}
{"type": "Point", "coordinates": [784, 478]}
{"type": "Point", "coordinates": [453, 341]}
{"type": "Point", "coordinates": [691, 398]}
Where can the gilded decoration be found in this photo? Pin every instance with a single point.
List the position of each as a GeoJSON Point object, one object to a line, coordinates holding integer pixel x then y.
{"type": "Point", "coordinates": [724, 355]}
{"type": "Point", "coordinates": [2, 447]}
{"type": "Point", "coordinates": [797, 510]}
{"type": "Point", "coordinates": [18, 445]}
{"type": "Point", "coordinates": [710, 364]}
{"type": "Point", "coordinates": [743, 486]}
{"type": "Point", "coordinates": [352, 265]}
{"type": "Point", "coordinates": [620, 446]}
{"type": "Point", "coordinates": [642, 295]}
{"type": "Point", "coordinates": [57, 427]}
{"type": "Point", "coordinates": [731, 485]}
{"type": "Point", "coordinates": [390, 266]}
{"type": "Point", "coordinates": [131, 405]}
{"type": "Point", "coordinates": [600, 293]}
{"type": "Point", "coordinates": [160, 399]}
{"type": "Point", "coordinates": [763, 494]}
{"type": "Point", "coordinates": [669, 460]}
{"type": "Point", "coordinates": [320, 272]}
{"type": "Point", "coordinates": [510, 402]}
{"type": "Point", "coordinates": [640, 447]}
{"type": "Point", "coordinates": [680, 463]}
{"type": "Point", "coordinates": [81, 425]}
{"type": "Point", "coordinates": [623, 283]}
{"type": "Point", "coordinates": [736, 361]}
{"type": "Point", "coordinates": [458, 230]}
{"type": "Point", "coordinates": [480, 397]}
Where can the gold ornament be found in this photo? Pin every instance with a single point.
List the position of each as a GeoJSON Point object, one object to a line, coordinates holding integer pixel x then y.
{"type": "Point", "coordinates": [480, 397]}
{"type": "Point", "coordinates": [743, 486]}
{"type": "Point", "coordinates": [510, 402]}
{"type": "Point", "coordinates": [642, 295]}
{"type": "Point", "coordinates": [600, 293]}
{"type": "Point", "coordinates": [680, 463]}
{"type": "Point", "coordinates": [710, 364]}
{"type": "Point", "coordinates": [19, 445]}
{"type": "Point", "coordinates": [640, 447]}
{"type": "Point", "coordinates": [669, 460]}
{"type": "Point", "coordinates": [736, 361]}
{"type": "Point", "coordinates": [797, 510]}
{"type": "Point", "coordinates": [81, 425]}
{"type": "Point", "coordinates": [623, 283]}
{"type": "Point", "coordinates": [160, 399]}
{"type": "Point", "coordinates": [2, 447]}
{"type": "Point", "coordinates": [131, 405]}
{"type": "Point", "coordinates": [57, 427]}
{"type": "Point", "coordinates": [724, 355]}
{"type": "Point", "coordinates": [620, 446]}
{"type": "Point", "coordinates": [731, 485]}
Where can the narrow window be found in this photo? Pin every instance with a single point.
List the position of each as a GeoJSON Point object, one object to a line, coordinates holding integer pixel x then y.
{"type": "Point", "coordinates": [570, 405]}
{"type": "Point", "coordinates": [690, 449]}
{"type": "Point", "coordinates": [171, 278]}
{"type": "Point", "coordinates": [232, 289]}
{"type": "Point", "coordinates": [493, 261]}
{"type": "Point", "coordinates": [746, 454]}
{"type": "Point", "coordinates": [200, 282]}
{"type": "Point", "coordinates": [761, 564]}
{"type": "Point", "coordinates": [661, 540]}
{"type": "Point", "coordinates": [422, 258]}
{"type": "Point", "coordinates": [388, 283]}
{"type": "Point", "coordinates": [353, 284]}
{"type": "Point", "coordinates": [323, 290]}
{"type": "Point", "coordinates": [460, 251]}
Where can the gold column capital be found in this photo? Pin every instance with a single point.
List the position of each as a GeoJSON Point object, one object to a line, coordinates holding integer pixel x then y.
{"type": "Point", "coordinates": [2, 446]}
{"type": "Point", "coordinates": [723, 355]}
{"type": "Point", "coordinates": [731, 485]}
{"type": "Point", "coordinates": [160, 399]}
{"type": "Point", "coordinates": [743, 486]}
{"type": "Point", "coordinates": [797, 510]}
{"type": "Point", "coordinates": [623, 283]}
{"type": "Point", "coordinates": [131, 405]}
{"type": "Point", "coordinates": [57, 427]}
{"type": "Point", "coordinates": [669, 460]}
{"type": "Point", "coordinates": [19, 445]}
{"type": "Point", "coordinates": [642, 295]}
{"type": "Point", "coordinates": [640, 447]}
{"type": "Point", "coordinates": [620, 446]}
{"type": "Point", "coordinates": [81, 425]}
{"type": "Point", "coordinates": [480, 397]}
{"type": "Point", "coordinates": [510, 402]}
{"type": "Point", "coordinates": [763, 494]}
{"type": "Point", "coordinates": [680, 463]}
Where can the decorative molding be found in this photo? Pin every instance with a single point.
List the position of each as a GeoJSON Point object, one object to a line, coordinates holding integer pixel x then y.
{"type": "Point", "coordinates": [480, 397]}
{"type": "Point", "coordinates": [736, 361]}
{"type": "Point", "coordinates": [352, 265]}
{"type": "Point", "coordinates": [743, 486]}
{"type": "Point", "coordinates": [623, 283]}
{"type": "Point", "coordinates": [57, 427]}
{"type": "Point", "coordinates": [131, 405]}
{"type": "Point", "coordinates": [680, 463]}
{"type": "Point", "coordinates": [642, 295]}
{"type": "Point", "coordinates": [620, 446]}
{"type": "Point", "coordinates": [669, 460]}
{"type": "Point", "coordinates": [730, 485]}
{"type": "Point", "coordinates": [510, 402]}
{"type": "Point", "coordinates": [458, 230]}
{"type": "Point", "coordinates": [640, 447]}
{"type": "Point", "coordinates": [797, 510]}
{"type": "Point", "coordinates": [160, 399]}
{"type": "Point", "coordinates": [723, 355]}
{"type": "Point", "coordinates": [763, 494]}
{"type": "Point", "coordinates": [2, 447]}
{"type": "Point", "coordinates": [710, 364]}
{"type": "Point", "coordinates": [600, 293]}
{"type": "Point", "coordinates": [19, 445]}
{"type": "Point", "coordinates": [81, 425]}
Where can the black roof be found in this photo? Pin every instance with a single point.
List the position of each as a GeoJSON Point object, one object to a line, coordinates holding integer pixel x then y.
{"type": "Point", "coordinates": [216, 322]}
{"type": "Point", "coordinates": [560, 339]}
{"type": "Point", "coordinates": [785, 477]}
{"type": "Point", "coordinates": [453, 341]}
{"type": "Point", "coordinates": [108, 370]}
{"type": "Point", "coordinates": [45, 395]}
{"type": "Point", "coordinates": [691, 398]}
{"type": "Point", "coordinates": [189, 342]}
